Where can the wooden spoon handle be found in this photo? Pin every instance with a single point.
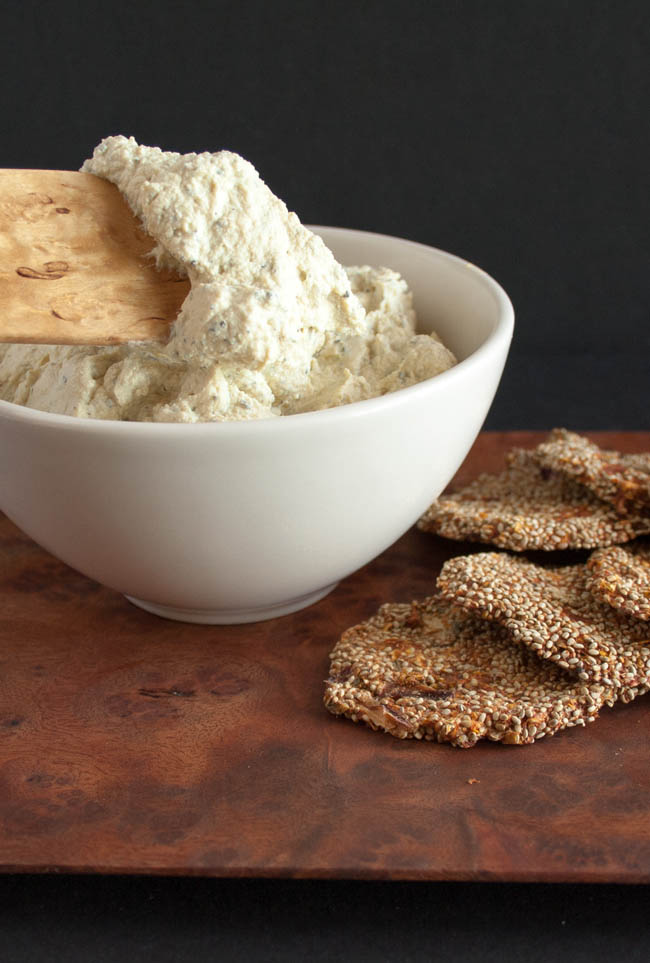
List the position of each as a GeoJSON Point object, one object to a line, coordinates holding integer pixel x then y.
{"type": "Point", "coordinates": [74, 266]}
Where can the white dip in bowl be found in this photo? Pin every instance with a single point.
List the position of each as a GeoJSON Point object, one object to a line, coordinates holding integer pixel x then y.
{"type": "Point", "coordinates": [240, 521]}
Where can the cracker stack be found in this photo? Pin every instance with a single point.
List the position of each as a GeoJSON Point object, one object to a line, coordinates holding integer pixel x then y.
{"type": "Point", "coordinates": [506, 649]}
{"type": "Point", "coordinates": [566, 493]}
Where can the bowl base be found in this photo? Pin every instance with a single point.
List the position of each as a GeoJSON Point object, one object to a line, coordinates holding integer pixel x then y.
{"type": "Point", "coordinates": [232, 616]}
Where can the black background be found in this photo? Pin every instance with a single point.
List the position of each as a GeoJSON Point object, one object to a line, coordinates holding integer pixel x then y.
{"type": "Point", "coordinates": [512, 132]}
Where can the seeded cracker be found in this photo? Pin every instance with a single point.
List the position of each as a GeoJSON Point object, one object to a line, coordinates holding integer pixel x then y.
{"type": "Point", "coordinates": [529, 507]}
{"type": "Point", "coordinates": [552, 612]}
{"type": "Point", "coordinates": [622, 480]}
{"type": "Point", "coordinates": [429, 671]}
{"type": "Point", "coordinates": [621, 577]}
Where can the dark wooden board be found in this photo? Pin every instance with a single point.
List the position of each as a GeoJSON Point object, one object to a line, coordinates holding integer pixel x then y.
{"type": "Point", "coordinates": [136, 745]}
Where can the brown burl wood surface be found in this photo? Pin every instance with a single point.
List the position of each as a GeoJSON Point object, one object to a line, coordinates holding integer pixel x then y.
{"type": "Point", "coordinates": [133, 744]}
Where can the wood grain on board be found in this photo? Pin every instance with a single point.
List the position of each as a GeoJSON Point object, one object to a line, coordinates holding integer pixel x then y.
{"type": "Point", "coordinates": [136, 745]}
{"type": "Point", "coordinates": [75, 265]}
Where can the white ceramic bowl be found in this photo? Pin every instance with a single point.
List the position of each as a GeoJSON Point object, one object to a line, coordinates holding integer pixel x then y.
{"type": "Point", "coordinates": [238, 522]}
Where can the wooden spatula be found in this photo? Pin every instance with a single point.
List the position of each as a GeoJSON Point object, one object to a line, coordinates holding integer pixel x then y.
{"type": "Point", "coordinates": [74, 266]}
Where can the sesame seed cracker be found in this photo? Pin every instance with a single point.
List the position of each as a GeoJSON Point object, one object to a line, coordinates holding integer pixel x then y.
{"type": "Point", "coordinates": [621, 480]}
{"type": "Point", "coordinates": [430, 671]}
{"type": "Point", "coordinates": [621, 577]}
{"type": "Point", "coordinates": [551, 611]}
{"type": "Point", "coordinates": [529, 507]}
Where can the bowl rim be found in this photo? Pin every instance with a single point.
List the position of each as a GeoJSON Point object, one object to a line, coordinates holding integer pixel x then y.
{"type": "Point", "coordinates": [497, 339]}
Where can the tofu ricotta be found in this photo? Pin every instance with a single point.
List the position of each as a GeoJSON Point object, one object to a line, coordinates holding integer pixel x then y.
{"type": "Point", "coordinates": [272, 325]}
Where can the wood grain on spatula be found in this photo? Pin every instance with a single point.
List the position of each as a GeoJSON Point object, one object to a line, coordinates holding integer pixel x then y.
{"type": "Point", "coordinates": [74, 265]}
